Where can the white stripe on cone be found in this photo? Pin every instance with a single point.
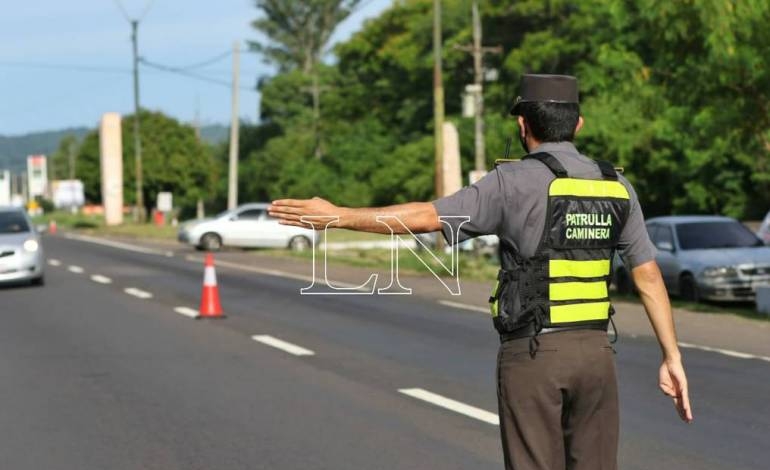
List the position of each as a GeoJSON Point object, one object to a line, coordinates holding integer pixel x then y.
{"type": "Point", "coordinates": [209, 276]}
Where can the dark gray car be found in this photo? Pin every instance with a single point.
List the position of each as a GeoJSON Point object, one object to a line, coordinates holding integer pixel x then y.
{"type": "Point", "coordinates": [707, 257]}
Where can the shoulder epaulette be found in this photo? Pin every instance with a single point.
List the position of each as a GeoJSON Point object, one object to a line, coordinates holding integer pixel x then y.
{"type": "Point", "coordinates": [620, 169]}
{"type": "Point", "coordinates": [506, 160]}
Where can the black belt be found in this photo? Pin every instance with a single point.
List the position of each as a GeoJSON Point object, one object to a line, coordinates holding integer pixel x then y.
{"type": "Point", "coordinates": [528, 331]}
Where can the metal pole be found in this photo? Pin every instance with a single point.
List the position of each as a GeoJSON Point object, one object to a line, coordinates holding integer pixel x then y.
{"type": "Point", "coordinates": [478, 68]}
{"type": "Point", "coordinates": [438, 98]}
{"type": "Point", "coordinates": [72, 160]}
{"type": "Point", "coordinates": [232, 177]}
{"type": "Point", "coordinates": [139, 214]}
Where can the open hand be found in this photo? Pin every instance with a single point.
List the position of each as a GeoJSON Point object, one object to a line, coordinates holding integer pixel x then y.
{"type": "Point", "coordinates": [290, 212]}
{"type": "Point", "coordinates": [673, 382]}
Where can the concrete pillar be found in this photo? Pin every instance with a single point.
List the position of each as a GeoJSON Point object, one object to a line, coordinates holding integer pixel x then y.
{"type": "Point", "coordinates": [111, 150]}
{"type": "Point", "coordinates": [452, 171]}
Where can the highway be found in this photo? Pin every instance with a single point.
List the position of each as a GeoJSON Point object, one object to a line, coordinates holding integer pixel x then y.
{"type": "Point", "coordinates": [103, 368]}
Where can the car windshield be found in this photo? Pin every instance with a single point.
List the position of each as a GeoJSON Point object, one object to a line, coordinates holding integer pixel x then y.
{"type": "Point", "coordinates": [13, 222]}
{"type": "Point", "coordinates": [712, 235]}
{"type": "Point", "coordinates": [223, 214]}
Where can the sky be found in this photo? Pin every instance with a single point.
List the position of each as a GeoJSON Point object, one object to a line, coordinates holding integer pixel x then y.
{"type": "Point", "coordinates": [63, 63]}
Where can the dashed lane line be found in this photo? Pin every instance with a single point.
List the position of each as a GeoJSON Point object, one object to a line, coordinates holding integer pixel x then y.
{"type": "Point", "coordinates": [462, 306]}
{"type": "Point", "coordinates": [137, 293]}
{"type": "Point", "coordinates": [99, 279]}
{"type": "Point", "coordinates": [75, 269]}
{"type": "Point", "coordinates": [724, 352]}
{"type": "Point", "coordinates": [119, 245]}
{"type": "Point", "coordinates": [452, 405]}
{"type": "Point", "coordinates": [282, 345]}
{"type": "Point", "coordinates": [54, 262]}
{"type": "Point", "coordinates": [186, 311]}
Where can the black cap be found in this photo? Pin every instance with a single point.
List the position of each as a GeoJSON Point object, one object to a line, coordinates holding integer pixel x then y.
{"type": "Point", "coordinates": [546, 89]}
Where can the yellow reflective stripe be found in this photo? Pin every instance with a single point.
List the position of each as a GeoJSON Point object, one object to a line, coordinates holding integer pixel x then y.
{"type": "Point", "coordinates": [493, 308]}
{"type": "Point", "coordinates": [578, 290]}
{"type": "Point", "coordinates": [570, 268]}
{"type": "Point", "coordinates": [580, 312]}
{"type": "Point", "coordinates": [588, 188]}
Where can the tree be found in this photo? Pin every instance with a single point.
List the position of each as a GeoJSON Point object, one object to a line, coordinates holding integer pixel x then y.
{"type": "Point", "coordinates": [298, 32]}
{"type": "Point", "coordinates": [173, 160]}
{"type": "Point", "coordinates": [675, 92]}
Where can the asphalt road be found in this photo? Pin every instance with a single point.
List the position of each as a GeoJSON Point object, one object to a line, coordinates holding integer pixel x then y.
{"type": "Point", "coordinates": [93, 377]}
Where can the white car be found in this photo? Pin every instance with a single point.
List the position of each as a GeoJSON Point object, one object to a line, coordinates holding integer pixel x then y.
{"type": "Point", "coordinates": [247, 226]}
{"type": "Point", "coordinates": [764, 230]}
{"type": "Point", "coordinates": [21, 253]}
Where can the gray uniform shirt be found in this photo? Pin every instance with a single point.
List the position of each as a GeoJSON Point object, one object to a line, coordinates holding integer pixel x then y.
{"type": "Point", "coordinates": [510, 202]}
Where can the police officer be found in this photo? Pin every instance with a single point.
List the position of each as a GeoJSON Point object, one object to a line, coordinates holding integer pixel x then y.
{"type": "Point", "coordinates": [560, 217]}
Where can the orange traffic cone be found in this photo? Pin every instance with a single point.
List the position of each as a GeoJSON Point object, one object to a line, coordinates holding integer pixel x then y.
{"type": "Point", "coordinates": [210, 306]}
{"type": "Point", "coordinates": [52, 227]}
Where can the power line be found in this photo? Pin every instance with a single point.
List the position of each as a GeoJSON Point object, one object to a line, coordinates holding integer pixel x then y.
{"type": "Point", "coordinates": [122, 9]}
{"type": "Point", "coordinates": [206, 62]}
{"type": "Point", "coordinates": [186, 73]}
{"type": "Point", "coordinates": [127, 16]}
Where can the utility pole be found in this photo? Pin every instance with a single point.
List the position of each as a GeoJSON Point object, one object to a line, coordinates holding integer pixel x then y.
{"type": "Point", "coordinates": [139, 210]}
{"type": "Point", "coordinates": [438, 107]}
{"type": "Point", "coordinates": [438, 98]}
{"type": "Point", "coordinates": [71, 152]}
{"type": "Point", "coordinates": [478, 52]}
{"type": "Point", "coordinates": [232, 177]}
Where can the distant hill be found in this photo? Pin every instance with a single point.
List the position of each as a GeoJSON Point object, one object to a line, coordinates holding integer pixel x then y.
{"type": "Point", "coordinates": [15, 149]}
{"type": "Point", "coordinates": [215, 133]}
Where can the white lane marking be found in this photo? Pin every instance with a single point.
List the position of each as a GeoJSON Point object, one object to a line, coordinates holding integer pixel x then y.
{"type": "Point", "coordinates": [282, 345]}
{"type": "Point", "coordinates": [137, 293]}
{"type": "Point", "coordinates": [459, 305]}
{"type": "Point", "coordinates": [119, 245]}
{"type": "Point", "coordinates": [186, 311]}
{"type": "Point", "coordinates": [54, 262]}
{"type": "Point", "coordinates": [75, 269]}
{"type": "Point", "coordinates": [272, 272]}
{"type": "Point", "coordinates": [453, 405]}
{"type": "Point", "coordinates": [98, 278]}
{"type": "Point", "coordinates": [726, 352]}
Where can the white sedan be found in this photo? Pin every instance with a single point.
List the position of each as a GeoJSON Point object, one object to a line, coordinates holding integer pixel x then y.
{"type": "Point", "coordinates": [247, 226]}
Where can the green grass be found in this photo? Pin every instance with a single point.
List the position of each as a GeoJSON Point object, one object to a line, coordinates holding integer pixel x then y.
{"type": "Point", "coordinates": [94, 225]}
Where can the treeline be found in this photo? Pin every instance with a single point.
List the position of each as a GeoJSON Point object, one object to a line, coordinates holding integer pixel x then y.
{"type": "Point", "coordinates": [676, 92]}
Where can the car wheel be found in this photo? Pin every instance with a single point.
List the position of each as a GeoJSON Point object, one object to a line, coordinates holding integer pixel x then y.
{"type": "Point", "coordinates": [299, 243]}
{"type": "Point", "coordinates": [211, 242]}
{"type": "Point", "coordinates": [623, 282]}
{"type": "Point", "coordinates": [38, 281]}
{"type": "Point", "coordinates": [688, 288]}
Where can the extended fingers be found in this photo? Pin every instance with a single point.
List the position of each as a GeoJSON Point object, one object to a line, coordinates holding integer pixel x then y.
{"type": "Point", "coordinates": [290, 202]}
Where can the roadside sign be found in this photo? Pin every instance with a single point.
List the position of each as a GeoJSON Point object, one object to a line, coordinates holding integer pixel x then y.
{"type": "Point", "coordinates": [165, 202]}
{"type": "Point", "coordinates": [37, 175]}
{"type": "Point", "coordinates": [68, 194]}
{"type": "Point", "coordinates": [5, 188]}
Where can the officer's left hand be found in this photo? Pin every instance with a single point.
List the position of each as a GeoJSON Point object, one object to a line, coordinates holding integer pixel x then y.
{"type": "Point", "coordinates": [290, 211]}
{"type": "Point", "coordinates": [673, 382]}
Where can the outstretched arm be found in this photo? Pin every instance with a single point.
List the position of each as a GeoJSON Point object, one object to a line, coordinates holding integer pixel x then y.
{"type": "Point", "coordinates": [418, 217]}
{"type": "Point", "coordinates": [673, 381]}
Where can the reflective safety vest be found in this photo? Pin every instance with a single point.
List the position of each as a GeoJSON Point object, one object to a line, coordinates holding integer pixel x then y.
{"type": "Point", "coordinates": [565, 284]}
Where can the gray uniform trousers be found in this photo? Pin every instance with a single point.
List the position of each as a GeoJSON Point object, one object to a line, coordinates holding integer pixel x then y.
{"type": "Point", "coordinates": [559, 410]}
